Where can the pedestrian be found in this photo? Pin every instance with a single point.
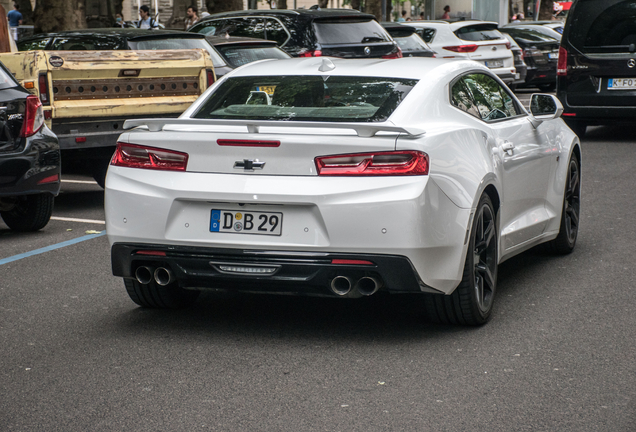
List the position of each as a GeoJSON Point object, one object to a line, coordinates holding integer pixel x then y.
{"type": "Point", "coordinates": [421, 16]}
{"type": "Point", "coordinates": [403, 17]}
{"type": "Point", "coordinates": [15, 20]}
{"type": "Point", "coordinates": [446, 12]}
{"type": "Point", "coordinates": [145, 20]}
{"type": "Point", "coordinates": [192, 16]}
{"type": "Point", "coordinates": [119, 21]}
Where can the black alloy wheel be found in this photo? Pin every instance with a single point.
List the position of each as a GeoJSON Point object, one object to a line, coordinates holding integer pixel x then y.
{"type": "Point", "coordinates": [472, 301]}
{"type": "Point", "coordinates": [570, 215]}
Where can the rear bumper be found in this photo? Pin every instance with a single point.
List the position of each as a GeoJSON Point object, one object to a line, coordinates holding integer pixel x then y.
{"type": "Point", "coordinates": [303, 273]}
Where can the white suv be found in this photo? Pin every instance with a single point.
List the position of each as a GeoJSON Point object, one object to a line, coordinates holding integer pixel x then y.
{"type": "Point", "coordinates": [474, 40]}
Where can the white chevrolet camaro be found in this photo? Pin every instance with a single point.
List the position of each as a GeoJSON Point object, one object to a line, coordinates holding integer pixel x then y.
{"type": "Point", "coordinates": [343, 178]}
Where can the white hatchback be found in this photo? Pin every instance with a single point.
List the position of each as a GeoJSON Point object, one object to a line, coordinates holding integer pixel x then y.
{"type": "Point", "coordinates": [413, 175]}
{"type": "Point", "coordinates": [474, 40]}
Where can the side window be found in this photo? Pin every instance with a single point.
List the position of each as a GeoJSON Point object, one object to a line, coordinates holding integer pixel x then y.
{"type": "Point", "coordinates": [211, 28]}
{"type": "Point", "coordinates": [275, 31]}
{"type": "Point", "coordinates": [245, 27]}
{"type": "Point", "coordinates": [492, 101]}
{"type": "Point", "coordinates": [30, 45]}
{"type": "Point", "coordinates": [461, 98]}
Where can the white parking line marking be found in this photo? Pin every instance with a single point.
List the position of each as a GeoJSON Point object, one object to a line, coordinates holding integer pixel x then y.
{"type": "Point", "coordinates": [79, 181]}
{"type": "Point", "coordinates": [78, 220]}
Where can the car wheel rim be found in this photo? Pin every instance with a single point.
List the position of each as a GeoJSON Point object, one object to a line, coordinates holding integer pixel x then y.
{"type": "Point", "coordinates": [572, 203]}
{"type": "Point", "coordinates": [485, 258]}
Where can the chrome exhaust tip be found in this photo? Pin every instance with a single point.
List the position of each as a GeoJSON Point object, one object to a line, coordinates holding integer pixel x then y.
{"type": "Point", "coordinates": [143, 275]}
{"type": "Point", "coordinates": [368, 285]}
{"type": "Point", "coordinates": [163, 276]}
{"type": "Point", "coordinates": [341, 285]}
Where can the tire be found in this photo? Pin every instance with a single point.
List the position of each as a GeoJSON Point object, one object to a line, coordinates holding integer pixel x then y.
{"type": "Point", "coordinates": [577, 126]}
{"type": "Point", "coordinates": [472, 301]}
{"type": "Point", "coordinates": [564, 243]}
{"type": "Point", "coordinates": [31, 212]}
{"type": "Point", "coordinates": [547, 87]}
{"type": "Point", "coordinates": [156, 296]}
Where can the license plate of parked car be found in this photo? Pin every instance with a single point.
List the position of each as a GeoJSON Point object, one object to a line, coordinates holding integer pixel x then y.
{"type": "Point", "coordinates": [494, 63]}
{"type": "Point", "coordinates": [621, 84]}
{"type": "Point", "coordinates": [240, 222]}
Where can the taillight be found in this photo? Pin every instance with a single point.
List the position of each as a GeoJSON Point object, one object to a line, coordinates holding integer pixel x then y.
{"type": "Point", "coordinates": [33, 116]}
{"type": "Point", "coordinates": [394, 54]}
{"type": "Point", "coordinates": [562, 63]}
{"type": "Point", "coordinates": [309, 53]}
{"type": "Point", "coordinates": [209, 75]}
{"type": "Point", "coordinates": [508, 45]}
{"type": "Point", "coordinates": [43, 83]}
{"type": "Point", "coordinates": [407, 162]}
{"type": "Point", "coordinates": [136, 156]}
{"type": "Point", "coordinates": [462, 48]}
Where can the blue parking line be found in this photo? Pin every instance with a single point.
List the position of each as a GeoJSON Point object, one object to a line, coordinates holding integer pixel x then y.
{"type": "Point", "coordinates": [50, 248]}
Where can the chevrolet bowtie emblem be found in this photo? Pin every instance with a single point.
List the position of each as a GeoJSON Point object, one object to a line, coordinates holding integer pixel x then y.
{"type": "Point", "coordinates": [249, 164]}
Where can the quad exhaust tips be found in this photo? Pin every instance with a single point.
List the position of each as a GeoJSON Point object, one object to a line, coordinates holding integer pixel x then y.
{"type": "Point", "coordinates": [344, 286]}
{"type": "Point", "coordinates": [161, 275]}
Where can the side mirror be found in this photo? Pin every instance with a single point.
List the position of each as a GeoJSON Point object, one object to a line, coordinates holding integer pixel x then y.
{"type": "Point", "coordinates": [544, 107]}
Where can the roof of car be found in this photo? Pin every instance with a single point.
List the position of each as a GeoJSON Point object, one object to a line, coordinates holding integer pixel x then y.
{"type": "Point", "coordinates": [124, 33]}
{"type": "Point", "coordinates": [312, 13]}
{"type": "Point", "coordinates": [451, 24]}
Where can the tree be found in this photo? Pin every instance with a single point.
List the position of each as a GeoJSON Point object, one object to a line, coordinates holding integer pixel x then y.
{"type": "Point", "coordinates": [26, 10]}
{"type": "Point", "coordinates": [216, 6]}
{"type": "Point", "coordinates": [374, 7]}
{"type": "Point", "coordinates": [179, 8]}
{"type": "Point", "coordinates": [57, 15]}
{"type": "Point", "coordinates": [546, 10]}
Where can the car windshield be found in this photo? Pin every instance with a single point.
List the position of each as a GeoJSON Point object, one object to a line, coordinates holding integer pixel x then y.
{"type": "Point", "coordinates": [479, 32]}
{"type": "Point", "coordinates": [411, 43]}
{"type": "Point", "coordinates": [348, 31]}
{"type": "Point", "coordinates": [604, 26]}
{"type": "Point", "coordinates": [179, 44]}
{"type": "Point", "coordinates": [237, 55]}
{"type": "Point", "coordinates": [306, 98]}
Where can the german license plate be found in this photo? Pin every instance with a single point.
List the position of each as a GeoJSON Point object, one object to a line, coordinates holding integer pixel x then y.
{"type": "Point", "coordinates": [267, 89]}
{"type": "Point", "coordinates": [240, 222]}
{"type": "Point", "coordinates": [494, 63]}
{"type": "Point", "coordinates": [553, 56]}
{"type": "Point", "coordinates": [621, 84]}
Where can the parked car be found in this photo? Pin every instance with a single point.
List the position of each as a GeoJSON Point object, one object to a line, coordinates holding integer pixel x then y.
{"type": "Point", "coordinates": [557, 26]}
{"type": "Point", "coordinates": [29, 158]}
{"type": "Point", "coordinates": [411, 44]}
{"type": "Point", "coordinates": [546, 30]}
{"type": "Point", "coordinates": [307, 32]}
{"type": "Point", "coordinates": [597, 63]}
{"type": "Point", "coordinates": [414, 175]}
{"type": "Point", "coordinates": [237, 51]}
{"type": "Point", "coordinates": [474, 40]}
{"type": "Point", "coordinates": [520, 65]}
{"type": "Point", "coordinates": [540, 53]}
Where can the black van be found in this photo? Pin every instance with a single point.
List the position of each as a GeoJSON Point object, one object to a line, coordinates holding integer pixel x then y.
{"type": "Point", "coordinates": [596, 72]}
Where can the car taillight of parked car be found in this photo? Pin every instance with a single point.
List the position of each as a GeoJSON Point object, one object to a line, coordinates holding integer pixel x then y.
{"type": "Point", "coordinates": [209, 75]}
{"type": "Point", "coordinates": [43, 83]}
{"type": "Point", "coordinates": [408, 162]}
{"type": "Point", "coordinates": [462, 48]}
{"type": "Point", "coordinates": [33, 116]}
{"type": "Point", "coordinates": [394, 55]}
{"type": "Point", "coordinates": [137, 156]}
{"type": "Point", "coordinates": [562, 64]}
{"type": "Point", "coordinates": [309, 53]}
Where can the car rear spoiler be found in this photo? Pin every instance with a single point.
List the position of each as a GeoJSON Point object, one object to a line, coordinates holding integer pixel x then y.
{"type": "Point", "coordinates": [253, 126]}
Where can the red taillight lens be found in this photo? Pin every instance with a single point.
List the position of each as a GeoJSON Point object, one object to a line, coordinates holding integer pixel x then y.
{"type": "Point", "coordinates": [209, 75]}
{"type": "Point", "coordinates": [310, 53]}
{"type": "Point", "coordinates": [462, 48]}
{"type": "Point", "coordinates": [350, 262]}
{"type": "Point", "coordinates": [50, 179]}
{"type": "Point", "coordinates": [394, 55]}
{"type": "Point", "coordinates": [562, 63]}
{"type": "Point", "coordinates": [508, 45]}
{"type": "Point", "coordinates": [408, 162]}
{"type": "Point", "coordinates": [247, 143]}
{"type": "Point", "coordinates": [136, 156]}
{"type": "Point", "coordinates": [33, 116]}
{"type": "Point", "coordinates": [43, 83]}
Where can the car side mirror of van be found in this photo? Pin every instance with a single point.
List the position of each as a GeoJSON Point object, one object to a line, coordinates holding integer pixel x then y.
{"type": "Point", "coordinates": [544, 107]}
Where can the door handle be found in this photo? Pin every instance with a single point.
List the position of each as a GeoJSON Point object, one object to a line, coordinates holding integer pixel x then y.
{"type": "Point", "coordinates": [508, 147]}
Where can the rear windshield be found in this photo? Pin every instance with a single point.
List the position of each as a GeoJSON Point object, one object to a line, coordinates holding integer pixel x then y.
{"type": "Point", "coordinates": [478, 32]}
{"type": "Point", "coordinates": [179, 44]}
{"type": "Point", "coordinates": [603, 25]}
{"type": "Point", "coordinates": [350, 32]}
{"type": "Point", "coordinates": [87, 43]}
{"type": "Point", "coordinates": [411, 43]}
{"type": "Point", "coordinates": [6, 79]}
{"type": "Point", "coordinates": [306, 98]}
{"type": "Point", "coordinates": [239, 55]}
{"type": "Point", "coordinates": [529, 35]}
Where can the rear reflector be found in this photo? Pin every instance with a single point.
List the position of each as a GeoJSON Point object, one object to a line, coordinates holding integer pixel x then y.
{"type": "Point", "coordinates": [136, 156]}
{"type": "Point", "coordinates": [562, 63]}
{"type": "Point", "coordinates": [462, 48]}
{"type": "Point", "coordinates": [247, 143]}
{"type": "Point", "coordinates": [569, 114]}
{"type": "Point", "coordinates": [408, 162]}
{"type": "Point", "coordinates": [152, 253]}
{"type": "Point", "coordinates": [50, 179]}
{"type": "Point", "coordinates": [351, 262]}
{"type": "Point", "coordinates": [80, 139]}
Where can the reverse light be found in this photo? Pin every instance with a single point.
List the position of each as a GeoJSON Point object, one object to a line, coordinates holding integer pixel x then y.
{"type": "Point", "coordinates": [462, 48]}
{"type": "Point", "coordinates": [309, 53]}
{"type": "Point", "coordinates": [137, 156]}
{"type": "Point", "coordinates": [33, 116]}
{"type": "Point", "coordinates": [562, 63]}
{"type": "Point", "coordinates": [209, 76]}
{"type": "Point", "coordinates": [407, 162]}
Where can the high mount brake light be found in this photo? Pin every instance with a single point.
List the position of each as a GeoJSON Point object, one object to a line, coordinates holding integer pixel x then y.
{"type": "Point", "coordinates": [408, 162]}
{"type": "Point", "coordinates": [462, 48]}
{"type": "Point", "coordinates": [562, 63]}
{"type": "Point", "coordinates": [137, 156]}
{"type": "Point", "coordinates": [33, 116]}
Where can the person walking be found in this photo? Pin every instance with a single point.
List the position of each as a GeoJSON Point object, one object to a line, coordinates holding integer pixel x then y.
{"type": "Point", "coordinates": [446, 12]}
{"type": "Point", "coordinates": [15, 20]}
{"type": "Point", "coordinates": [192, 16]}
{"type": "Point", "coordinates": [145, 20]}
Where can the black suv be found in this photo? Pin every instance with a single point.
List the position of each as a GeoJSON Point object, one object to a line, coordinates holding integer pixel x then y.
{"type": "Point", "coordinates": [307, 32]}
{"type": "Point", "coordinates": [596, 73]}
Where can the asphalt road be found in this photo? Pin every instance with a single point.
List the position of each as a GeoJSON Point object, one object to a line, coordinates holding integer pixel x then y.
{"type": "Point", "coordinates": [77, 355]}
